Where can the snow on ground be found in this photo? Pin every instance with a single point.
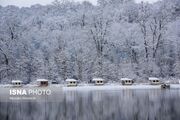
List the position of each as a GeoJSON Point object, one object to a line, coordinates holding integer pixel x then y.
{"type": "Point", "coordinates": [110, 87]}
{"type": "Point", "coordinates": [88, 87]}
{"type": "Point", "coordinates": [175, 86]}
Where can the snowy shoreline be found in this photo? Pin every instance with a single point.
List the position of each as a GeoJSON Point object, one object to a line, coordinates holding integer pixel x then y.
{"type": "Point", "coordinates": [86, 87]}
{"type": "Point", "coordinates": [59, 89]}
{"type": "Point", "coordinates": [118, 87]}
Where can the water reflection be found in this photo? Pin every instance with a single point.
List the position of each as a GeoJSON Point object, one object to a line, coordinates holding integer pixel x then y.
{"type": "Point", "coordinates": [99, 105]}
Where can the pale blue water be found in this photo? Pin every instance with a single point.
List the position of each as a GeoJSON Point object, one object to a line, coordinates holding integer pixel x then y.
{"type": "Point", "coordinates": [99, 105]}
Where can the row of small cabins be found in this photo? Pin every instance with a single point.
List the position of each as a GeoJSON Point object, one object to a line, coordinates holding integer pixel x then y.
{"type": "Point", "coordinates": [95, 81]}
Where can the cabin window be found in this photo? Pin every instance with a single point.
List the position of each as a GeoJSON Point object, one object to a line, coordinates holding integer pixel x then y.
{"type": "Point", "coordinates": [17, 83]}
{"type": "Point", "coordinates": [154, 81]}
{"type": "Point", "coordinates": [72, 82]}
{"type": "Point", "coordinates": [127, 81]}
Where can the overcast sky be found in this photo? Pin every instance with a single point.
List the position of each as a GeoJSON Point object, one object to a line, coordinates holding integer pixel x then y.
{"type": "Point", "coordinates": [27, 3]}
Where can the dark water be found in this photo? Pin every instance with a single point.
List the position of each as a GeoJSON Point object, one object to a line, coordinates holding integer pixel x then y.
{"type": "Point", "coordinates": [99, 105]}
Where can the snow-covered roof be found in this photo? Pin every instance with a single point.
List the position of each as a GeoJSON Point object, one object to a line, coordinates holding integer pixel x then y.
{"type": "Point", "coordinates": [125, 79]}
{"type": "Point", "coordinates": [96, 79]}
{"type": "Point", "coordinates": [67, 80]}
{"type": "Point", "coordinates": [15, 81]}
{"type": "Point", "coordinates": [39, 80]}
{"type": "Point", "coordinates": [153, 78]}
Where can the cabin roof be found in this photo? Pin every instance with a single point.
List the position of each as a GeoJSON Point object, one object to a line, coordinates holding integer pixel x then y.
{"type": "Point", "coordinates": [153, 78]}
{"type": "Point", "coordinates": [15, 81]}
{"type": "Point", "coordinates": [67, 80]}
{"type": "Point", "coordinates": [125, 79]}
{"type": "Point", "coordinates": [96, 79]}
{"type": "Point", "coordinates": [39, 80]}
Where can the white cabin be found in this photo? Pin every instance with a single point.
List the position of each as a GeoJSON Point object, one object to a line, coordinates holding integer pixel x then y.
{"type": "Point", "coordinates": [16, 83]}
{"type": "Point", "coordinates": [98, 81]}
{"type": "Point", "coordinates": [71, 82]}
{"type": "Point", "coordinates": [127, 81]}
{"type": "Point", "coordinates": [42, 82]}
{"type": "Point", "coordinates": [154, 81]}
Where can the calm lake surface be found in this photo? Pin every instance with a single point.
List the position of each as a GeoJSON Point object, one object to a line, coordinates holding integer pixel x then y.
{"type": "Point", "coordinates": [98, 105]}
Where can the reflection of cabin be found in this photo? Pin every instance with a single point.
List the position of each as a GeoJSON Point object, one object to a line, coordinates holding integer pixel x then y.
{"type": "Point", "coordinates": [154, 81]}
{"type": "Point", "coordinates": [71, 82]}
{"type": "Point", "coordinates": [42, 82]}
{"type": "Point", "coordinates": [98, 81]}
{"type": "Point", "coordinates": [127, 81]}
{"type": "Point", "coordinates": [16, 83]}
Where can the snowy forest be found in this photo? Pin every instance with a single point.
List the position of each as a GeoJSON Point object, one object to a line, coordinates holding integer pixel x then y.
{"type": "Point", "coordinates": [113, 39]}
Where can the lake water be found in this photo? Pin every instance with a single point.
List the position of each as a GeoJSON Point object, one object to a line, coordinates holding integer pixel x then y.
{"type": "Point", "coordinates": [98, 105]}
